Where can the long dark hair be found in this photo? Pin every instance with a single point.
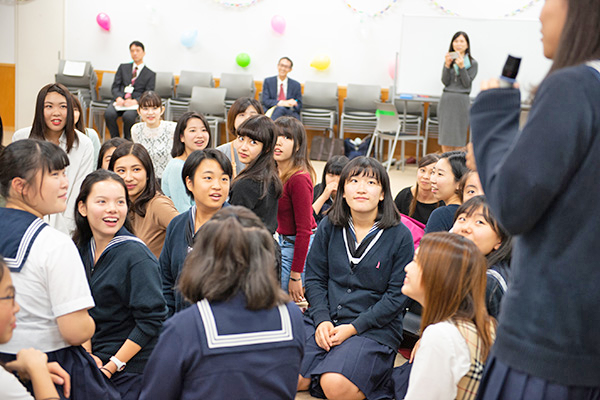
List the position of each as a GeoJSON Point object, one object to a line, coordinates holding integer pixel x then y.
{"type": "Point", "coordinates": [262, 169]}
{"type": "Point", "coordinates": [233, 253]}
{"type": "Point", "coordinates": [240, 106]}
{"type": "Point", "coordinates": [152, 187]}
{"type": "Point", "coordinates": [178, 146]}
{"type": "Point", "coordinates": [387, 214]}
{"type": "Point", "coordinates": [79, 125]}
{"type": "Point", "coordinates": [109, 144]}
{"type": "Point", "coordinates": [291, 128]}
{"type": "Point", "coordinates": [454, 279]}
{"type": "Point", "coordinates": [429, 159]}
{"type": "Point", "coordinates": [576, 44]}
{"type": "Point", "coordinates": [463, 34]}
{"type": "Point", "coordinates": [25, 158]}
{"type": "Point", "coordinates": [83, 232]}
{"type": "Point", "coordinates": [39, 128]}
{"type": "Point", "coordinates": [504, 253]}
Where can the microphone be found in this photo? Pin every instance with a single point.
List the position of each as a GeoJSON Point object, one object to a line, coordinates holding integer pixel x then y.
{"type": "Point", "coordinates": [510, 71]}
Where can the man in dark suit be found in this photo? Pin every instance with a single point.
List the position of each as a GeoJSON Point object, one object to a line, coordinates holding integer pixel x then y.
{"type": "Point", "coordinates": [281, 92]}
{"type": "Point", "coordinates": [131, 80]}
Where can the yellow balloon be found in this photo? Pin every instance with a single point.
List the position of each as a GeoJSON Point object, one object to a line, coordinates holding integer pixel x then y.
{"type": "Point", "coordinates": [321, 62]}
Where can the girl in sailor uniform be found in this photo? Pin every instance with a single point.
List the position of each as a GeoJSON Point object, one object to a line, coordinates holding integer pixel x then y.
{"type": "Point", "coordinates": [207, 174]}
{"type": "Point", "coordinates": [354, 277]}
{"type": "Point", "coordinates": [45, 267]}
{"type": "Point", "coordinates": [125, 281]}
{"type": "Point", "coordinates": [243, 338]}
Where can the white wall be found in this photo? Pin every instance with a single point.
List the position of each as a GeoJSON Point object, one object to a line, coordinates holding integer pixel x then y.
{"type": "Point", "coordinates": [39, 45]}
{"type": "Point", "coordinates": [360, 47]}
{"type": "Point", "coordinates": [7, 33]}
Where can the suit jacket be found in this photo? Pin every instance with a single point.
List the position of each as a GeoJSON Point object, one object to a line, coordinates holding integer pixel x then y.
{"type": "Point", "coordinates": [145, 81]}
{"type": "Point", "coordinates": [270, 92]}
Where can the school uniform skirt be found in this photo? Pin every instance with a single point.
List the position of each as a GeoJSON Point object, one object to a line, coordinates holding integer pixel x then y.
{"type": "Point", "coordinates": [87, 381]}
{"type": "Point", "coordinates": [361, 360]}
{"type": "Point", "coordinates": [501, 382]}
{"type": "Point", "coordinates": [453, 115]}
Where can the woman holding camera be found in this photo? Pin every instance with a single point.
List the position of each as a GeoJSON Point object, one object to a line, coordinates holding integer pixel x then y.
{"type": "Point", "coordinates": [459, 72]}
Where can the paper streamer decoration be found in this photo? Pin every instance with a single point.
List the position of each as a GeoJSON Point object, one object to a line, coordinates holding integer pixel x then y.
{"type": "Point", "coordinates": [510, 14]}
{"type": "Point", "coordinates": [237, 4]}
{"type": "Point", "coordinates": [104, 21]}
{"type": "Point", "coordinates": [368, 14]}
{"type": "Point", "coordinates": [243, 60]}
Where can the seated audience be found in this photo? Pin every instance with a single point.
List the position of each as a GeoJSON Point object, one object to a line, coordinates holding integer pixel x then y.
{"type": "Point", "coordinates": [469, 186]}
{"type": "Point", "coordinates": [124, 279]}
{"type": "Point", "coordinates": [207, 174]}
{"type": "Point", "coordinates": [151, 211]}
{"type": "Point", "coordinates": [45, 267]}
{"type": "Point", "coordinates": [418, 201]}
{"type": "Point", "coordinates": [131, 80]}
{"type": "Point", "coordinates": [241, 110]}
{"type": "Point", "coordinates": [54, 122]}
{"type": "Point", "coordinates": [153, 133]}
{"type": "Point", "coordinates": [445, 179]}
{"type": "Point", "coordinates": [80, 126]}
{"type": "Point", "coordinates": [191, 133]}
{"type": "Point", "coordinates": [106, 151]}
{"type": "Point", "coordinates": [243, 339]}
{"type": "Point", "coordinates": [281, 93]}
{"type": "Point", "coordinates": [295, 222]}
{"type": "Point", "coordinates": [29, 363]}
{"type": "Point", "coordinates": [258, 186]}
{"type": "Point", "coordinates": [324, 192]}
{"type": "Point", "coordinates": [447, 277]}
{"type": "Point", "coordinates": [354, 275]}
{"type": "Point", "coordinates": [474, 220]}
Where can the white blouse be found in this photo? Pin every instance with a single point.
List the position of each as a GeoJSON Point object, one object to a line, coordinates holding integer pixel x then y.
{"type": "Point", "coordinates": [158, 141]}
{"type": "Point", "coordinates": [441, 361]}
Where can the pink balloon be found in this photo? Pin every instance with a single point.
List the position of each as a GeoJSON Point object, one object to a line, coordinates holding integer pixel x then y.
{"type": "Point", "coordinates": [104, 21]}
{"type": "Point", "coordinates": [278, 24]}
{"type": "Point", "coordinates": [392, 69]}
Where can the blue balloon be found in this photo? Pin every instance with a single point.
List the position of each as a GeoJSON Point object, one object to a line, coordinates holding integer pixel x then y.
{"type": "Point", "coordinates": [188, 39]}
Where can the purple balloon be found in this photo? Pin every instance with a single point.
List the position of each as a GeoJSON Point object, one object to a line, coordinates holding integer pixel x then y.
{"type": "Point", "coordinates": [104, 21]}
{"type": "Point", "coordinates": [278, 24]}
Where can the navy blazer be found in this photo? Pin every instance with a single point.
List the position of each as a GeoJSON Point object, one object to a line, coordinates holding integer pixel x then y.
{"type": "Point", "coordinates": [145, 81]}
{"type": "Point", "coordinates": [270, 93]}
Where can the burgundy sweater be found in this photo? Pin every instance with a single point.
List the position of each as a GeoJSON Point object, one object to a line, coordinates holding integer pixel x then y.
{"type": "Point", "coordinates": [295, 215]}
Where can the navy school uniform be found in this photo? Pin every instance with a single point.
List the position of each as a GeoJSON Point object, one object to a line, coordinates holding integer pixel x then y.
{"type": "Point", "coordinates": [441, 219]}
{"type": "Point", "coordinates": [40, 260]}
{"type": "Point", "coordinates": [222, 350]}
{"type": "Point", "coordinates": [125, 283]}
{"type": "Point", "coordinates": [343, 287]}
{"type": "Point", "coordinates": [179, 241]}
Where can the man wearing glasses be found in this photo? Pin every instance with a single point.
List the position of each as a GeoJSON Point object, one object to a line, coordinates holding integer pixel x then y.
{"type": "Point", "coordinates": [282, 95]}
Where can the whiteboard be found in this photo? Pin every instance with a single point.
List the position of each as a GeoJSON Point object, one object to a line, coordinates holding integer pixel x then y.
{"type": "Point", "coordinates": [425, 41]}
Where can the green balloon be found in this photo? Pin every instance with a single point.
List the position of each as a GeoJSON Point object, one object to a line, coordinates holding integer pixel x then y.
{"type": "Point", "coordinates": [243, 60]}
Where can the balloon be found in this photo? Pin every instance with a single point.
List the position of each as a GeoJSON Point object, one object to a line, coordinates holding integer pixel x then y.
{"type": "Point", "coordinates": [278, 24]}
{"type": "Point", "coordinates": [392, 69]}
{"type": "Point", "coordinates": [104, 21]}
{"type": "Point", "coordinates": [188, 39]}
{"type": "Point", "coordinates": [243, 60]}
{"type": "Point", "coordinates": [320, 62]}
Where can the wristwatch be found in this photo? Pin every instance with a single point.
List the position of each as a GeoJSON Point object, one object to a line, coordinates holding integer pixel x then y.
{"type": "Point", "coordinates": [120, 364]}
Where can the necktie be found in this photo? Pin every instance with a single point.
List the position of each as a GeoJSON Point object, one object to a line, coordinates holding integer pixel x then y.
{"type": "Point", "coordinates": [281, 93]}
{"type": "Point", "coordinates": [133, 78]}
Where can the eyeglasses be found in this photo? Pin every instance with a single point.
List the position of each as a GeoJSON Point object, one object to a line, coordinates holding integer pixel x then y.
{"type": "Point", "coordinates": [9, 298]}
